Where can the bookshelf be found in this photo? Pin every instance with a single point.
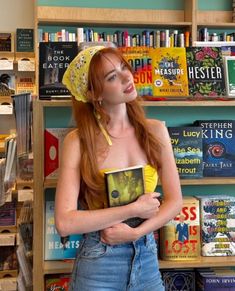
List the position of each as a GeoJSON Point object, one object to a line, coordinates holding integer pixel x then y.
{"type": "Point", "coordinates": [188, 17]}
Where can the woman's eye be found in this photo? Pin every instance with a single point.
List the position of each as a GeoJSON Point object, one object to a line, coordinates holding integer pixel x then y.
{"type": "Point", "coordinates": [112, 77]}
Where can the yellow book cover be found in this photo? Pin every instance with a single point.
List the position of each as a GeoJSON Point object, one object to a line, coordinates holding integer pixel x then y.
{"type": "Point", "coordinates": [180, 237]}
{"type": "Point", "coordinates": [140, 61]}
{"type": "Point", "coordinates": [169, 70]}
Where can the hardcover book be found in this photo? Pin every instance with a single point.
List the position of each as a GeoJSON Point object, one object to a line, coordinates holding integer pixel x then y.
{"type": "Point", "coordinates": [180, 237]}
{"type": "Point", "coordinates": [54, 58]}
{"type": "Point", "coordinates": [205, 71]}
{"type": "Point", "coordinates": [54, 138]}
{"type": "Point", "coordinates": [24, 40]}
{"type": "Point", "coordinates": [140, 61]}
{"type": "Point", "coordinates": [217, 225]}
{"type": "Point", "coordinates": [182, 279]}
{"type": "Point", "coordinates": [169, 69]}
{"type": "Point", "coordinates": [218, 139]}
{"type": "Point", "coordinates": [123, 187]}
{"type": "Point", "coordinates": [54, 248]}
{"type": "Point", "coordinates": [215, 280]}
{"type": "Point", "coordinates": [229, 64]}
{"type": "Point", "coordinates": [187, 147]}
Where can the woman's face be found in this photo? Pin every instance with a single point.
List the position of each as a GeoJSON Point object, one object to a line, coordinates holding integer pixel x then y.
{"type": "Point", "coordinates": [118, 81]}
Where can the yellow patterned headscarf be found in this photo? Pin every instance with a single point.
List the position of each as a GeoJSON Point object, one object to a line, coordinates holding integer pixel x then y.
{"type": "Point", "coordinates": [76, 76]}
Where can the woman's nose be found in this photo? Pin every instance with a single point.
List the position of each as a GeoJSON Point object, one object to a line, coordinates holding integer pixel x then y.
{"type": "Point", "coordinates": [125, 77]}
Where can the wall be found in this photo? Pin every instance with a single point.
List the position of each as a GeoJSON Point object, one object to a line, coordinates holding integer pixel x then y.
{"type": "Point", "coordinates": [16, 14]}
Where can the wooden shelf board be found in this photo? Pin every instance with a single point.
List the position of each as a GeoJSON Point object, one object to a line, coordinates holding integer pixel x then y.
{"type": "Point", "coordinates": [215, 17]}
{"type": "Point", "coordinates": [58, 267]}
{"type": "Point", "coordinates": [4, 54]}
{"type": "Point", "coordinates": [52, 267]}
{"type": "Point", "coordinates": [51, 183]}
{"type": "Point", "coordinates": [5, 99]}
{"type": "Point", "coordinates": [202, 262]}
{"type": "Point", "coordinates": [110, 16]}
{"type": "Point", "coordinates": [176, 103]}
{"type": "Point", "coordinates": [20, 55]}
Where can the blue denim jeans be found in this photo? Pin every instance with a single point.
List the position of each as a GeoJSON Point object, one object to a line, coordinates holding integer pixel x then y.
{"type": "Point", "coordinates": [123, 267]}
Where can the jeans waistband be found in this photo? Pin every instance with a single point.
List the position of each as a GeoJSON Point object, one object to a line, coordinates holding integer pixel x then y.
{"type": "Point", "coordinates": [144, 240]}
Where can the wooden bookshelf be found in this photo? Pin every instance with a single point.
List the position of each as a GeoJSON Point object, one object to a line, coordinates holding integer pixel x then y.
{"type": "Point", "coordinates": [189, 18]}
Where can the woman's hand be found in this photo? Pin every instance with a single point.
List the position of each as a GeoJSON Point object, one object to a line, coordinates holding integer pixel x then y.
{"type": "Point", "coordinates": [147, 205]}
{"type": "Point", "coordinates": [117, 234]}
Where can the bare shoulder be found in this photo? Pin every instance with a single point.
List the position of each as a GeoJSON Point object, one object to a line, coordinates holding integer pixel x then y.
{"type": "Point", "coordinates": [158, 128]}
{"type": "Point", "coordinates": [71, 144]}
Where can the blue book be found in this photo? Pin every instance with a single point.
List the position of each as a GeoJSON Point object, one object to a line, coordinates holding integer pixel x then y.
{"type": "Point", "coordinates": [187, 147]}
{"type": "Point", "coordinates": [218, 139]}
{"type": "Point", "coordinates": [57, 248]}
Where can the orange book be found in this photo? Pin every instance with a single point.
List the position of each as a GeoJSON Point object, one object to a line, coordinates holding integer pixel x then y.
{"type": "Point", "coordinates": [169, 70]}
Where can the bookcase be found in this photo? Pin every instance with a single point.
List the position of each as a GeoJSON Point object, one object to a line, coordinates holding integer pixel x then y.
{"type": "Point", "coordinates": [190, 15]}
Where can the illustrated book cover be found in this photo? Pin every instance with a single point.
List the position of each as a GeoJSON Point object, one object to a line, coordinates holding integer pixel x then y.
{"type": "Point", "coordinates": [218, 140]}
{"type": "Point", "coordinates": [205, 71]}
{"type": "Point", "coordinates": [217, 225]}
{"type": "Point", "coordinates": [178, 280]}
{"type": "Point", "coordinates": [141, 63]}
{"type": "Point", "coordinates": [180, 237]}
{"type": "Point", "coordinates": [229, 66]}
{"type": "Point", "coordinates": [169, 70]}
{"type": "Point", "coordinates": [187, 147]}
{"type": "Point", "coordinates": [54, 58]}
{"type": "Point", "coordinates": [125, 186]}
{"type": "Point", "coordinates": [54, 248]}
{"type": "Point", "coordinates": [57, 282]}
{"type": "Point", "coordinates": [53, 140]}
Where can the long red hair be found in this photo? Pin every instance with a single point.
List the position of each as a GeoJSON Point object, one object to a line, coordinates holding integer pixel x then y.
{"type": "Point", "coordinates": [92, 181]}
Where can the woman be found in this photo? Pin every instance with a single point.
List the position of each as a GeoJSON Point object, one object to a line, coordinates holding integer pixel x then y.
{"type": "Point", "coordinates": [112, 134]}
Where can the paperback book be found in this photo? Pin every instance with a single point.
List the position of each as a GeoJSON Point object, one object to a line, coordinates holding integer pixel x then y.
{"type": "Point", "coordinates": [169, 69]}
{"type": "Point", "coordinates": [54, 58]}
{"type": "Point", "coordinates": [217, 225]}
{"type": "Point", "coordinates": [54, 248]}
{"type": "Point", "coordinates": [180, 237]}
{"type": "Point", "coordinates": [125, 186]}
{"type": "Point", "coordinates": [187, 147]}
{"type": "Point", "coordinates": [140, 61]}
{"type": "Point", "coordinates": [205, 71]}
{"type": "Point", "coordinates": [218, 139]}
{"type": "Point", "coordinates": [57, 282]}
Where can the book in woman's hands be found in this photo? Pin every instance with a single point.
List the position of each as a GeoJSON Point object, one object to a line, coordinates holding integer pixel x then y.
{"type": "Point", "coordinates": [125, 186]}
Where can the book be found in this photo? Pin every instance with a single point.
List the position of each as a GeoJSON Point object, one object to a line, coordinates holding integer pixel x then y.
{"type": "Point", "coordinates": [54, 248]}
{"type": "Point", "coordinates": [229, 66]}
{"type": "Point", "coordinates": [6, 42]}
{"type": "Point", "coordinates": [218, 140]}
{"type": "Point", "coordinates": [57, 282]}
{"type": "Point", "coordinates": [54, 58]}
{"type": "Point", "coordinates": [215, 280]}
{"type": "Point", "coordinates": [187, 147]}
{"type": "Point", "coordinates": [169, 69]}
{"type": "Point", "coordinates": [205, 71]}
{"type": "Point", "coordinates": [141, 63]}
{"type": "Point", "coordinates": [178, 280]}
{"type": "Point", "coordinates": [53, 140]}
{"type": "Point", "coordinates": [123, 187]}
{"type": "Point", "coordinates": [24, 40]}
{"type": "Point", "coordinates": [180, 237]}
{"type": "Point", "coordinates": [217, 225]}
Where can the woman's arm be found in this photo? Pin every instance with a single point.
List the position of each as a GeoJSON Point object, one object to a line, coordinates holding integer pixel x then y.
{"type": "Point", "coordinates": [172, 196]}
{"type": "Point", "coordinates": [68, 219]}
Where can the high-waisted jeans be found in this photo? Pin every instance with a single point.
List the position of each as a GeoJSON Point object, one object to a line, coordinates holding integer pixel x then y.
{"type": "Point", "coordinates": [124, 267]}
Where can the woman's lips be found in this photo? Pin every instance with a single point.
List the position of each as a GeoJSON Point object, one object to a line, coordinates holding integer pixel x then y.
{"type": "Point", "coordinates": [129, 89]}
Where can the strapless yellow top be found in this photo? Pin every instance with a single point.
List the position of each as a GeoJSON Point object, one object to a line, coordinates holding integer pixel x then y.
{"type": "Point", "coordinates": [150, 177]}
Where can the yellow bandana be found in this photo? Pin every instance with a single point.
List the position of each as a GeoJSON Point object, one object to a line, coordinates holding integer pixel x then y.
{"type": "Point", "coordinates": [76, 76]}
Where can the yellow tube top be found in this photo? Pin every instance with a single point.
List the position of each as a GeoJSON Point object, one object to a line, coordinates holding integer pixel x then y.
{"type": "Point", "coordinates": [150, 177]}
